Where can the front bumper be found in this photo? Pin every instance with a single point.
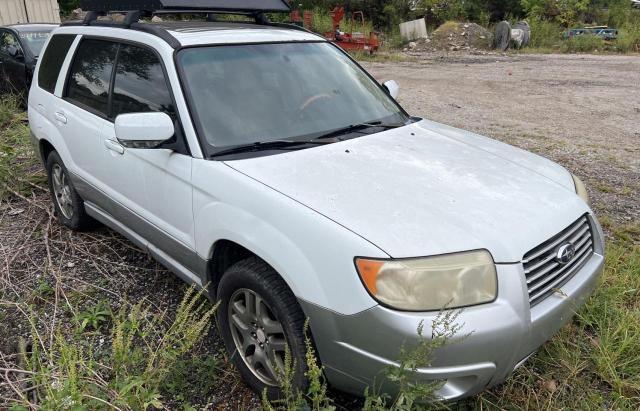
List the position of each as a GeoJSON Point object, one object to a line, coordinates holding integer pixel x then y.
{"type": "Point", "coordinates": [355, 349]}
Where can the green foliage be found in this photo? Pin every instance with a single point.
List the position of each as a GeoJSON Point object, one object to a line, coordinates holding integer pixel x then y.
{"type": "Point", "coordinates": [585, 43]}
{"type": "Point", "coordinates": [148, 356]}
{"type": "Point", "coordinates": [16, 152]}
{"type": "Point", "coordinates": [566, 12]}
{"type": "Point", "coordinates": [94, 316]}
{"type": "Point", "coordinates": [411, 394]}
{"type": "Point", "coordinates": [67, 6]}
{"type": "Point", "coordinates": [544, 33]}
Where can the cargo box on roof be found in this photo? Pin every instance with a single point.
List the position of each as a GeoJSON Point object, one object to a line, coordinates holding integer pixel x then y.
{"type": "Point", "coordinates": [158, 5]}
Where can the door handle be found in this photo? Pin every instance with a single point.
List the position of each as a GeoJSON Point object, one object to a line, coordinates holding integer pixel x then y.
{"type": "Point", "coordinates": [60, 117]}
{"type": "Point", "coordinates": [114, 146]}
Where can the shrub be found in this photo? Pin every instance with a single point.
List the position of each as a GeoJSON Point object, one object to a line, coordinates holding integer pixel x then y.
{"type": "Point", "coordinates": [544, 33]}
{"type": "Point", "coordinates": [628, 40]}
{"type": "Point", "coordinates": [585, 43]}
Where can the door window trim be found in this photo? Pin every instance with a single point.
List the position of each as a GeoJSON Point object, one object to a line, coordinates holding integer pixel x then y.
{"type": "Point", "coordinates": [180, 133]}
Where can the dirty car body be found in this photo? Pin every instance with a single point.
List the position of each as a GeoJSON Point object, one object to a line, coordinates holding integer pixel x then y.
{"type": "Point", "coordinates": [371, 218]}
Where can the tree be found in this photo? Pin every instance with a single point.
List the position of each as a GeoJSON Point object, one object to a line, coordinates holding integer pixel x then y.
{"type": "Point", "coordinates": [67, 6]}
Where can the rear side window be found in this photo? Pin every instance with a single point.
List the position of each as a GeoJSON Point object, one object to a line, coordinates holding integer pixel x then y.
{"type": "Point", "coordinates": [90, 76]}
{"type": "Point", "coordinates": [140, 85]}
{"type": "Point", "coordinates": [52, 60]}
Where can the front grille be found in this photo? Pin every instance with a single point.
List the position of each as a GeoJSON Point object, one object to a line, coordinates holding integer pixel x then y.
{"type": "Point", "coordinates": [543, 271]}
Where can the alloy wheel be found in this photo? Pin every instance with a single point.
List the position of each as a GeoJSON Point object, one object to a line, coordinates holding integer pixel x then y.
{"type": "Point", "coordinates": [62, 191]}
{"type": "Point", "coordinates": [258, 335]}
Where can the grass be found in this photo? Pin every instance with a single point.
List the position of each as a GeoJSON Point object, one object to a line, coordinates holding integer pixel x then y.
{"type": "Point", "coordinates": [147, 360]}
{"type": "Point", "coordinates": [17, 169]}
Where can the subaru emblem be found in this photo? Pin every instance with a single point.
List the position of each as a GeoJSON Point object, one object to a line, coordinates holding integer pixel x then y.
{"type": "Point", "coordinates": [565, 253]}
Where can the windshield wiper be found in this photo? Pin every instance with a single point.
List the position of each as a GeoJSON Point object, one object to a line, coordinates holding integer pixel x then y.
{"type": "Point", "coordinates": [268, 145]}
{"type": "Point", "coordinates": [357, 127]}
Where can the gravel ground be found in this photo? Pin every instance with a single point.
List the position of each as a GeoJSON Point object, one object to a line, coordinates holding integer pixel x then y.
{"type": "Point", "coordinates": [582, 111]}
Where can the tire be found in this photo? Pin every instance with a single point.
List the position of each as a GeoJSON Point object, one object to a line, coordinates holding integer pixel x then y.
{"type": "Point", "coordinates": [68, 205]}
{"type": "Point", "coordinates": [237, 284]}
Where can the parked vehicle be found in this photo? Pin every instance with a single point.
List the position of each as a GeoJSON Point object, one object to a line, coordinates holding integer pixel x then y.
{"type": "Point", "coordinates": [604, 32]}
{"type": "Point", "coordinates": [262, 162]}
{"type": "Point", "coordinates": [20, 46]}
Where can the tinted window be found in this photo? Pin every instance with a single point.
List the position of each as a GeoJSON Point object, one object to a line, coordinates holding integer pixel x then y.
{"type": "Point", "coordinates": [140, 85]}
{"type": "Point", "coordinates": [52, 61]}
{"type": "Point", "coordinates": [90, 75]}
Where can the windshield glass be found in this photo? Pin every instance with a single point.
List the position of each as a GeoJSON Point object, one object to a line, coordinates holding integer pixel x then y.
{"type": "Point", "coordinates": [34, 40]}
{"type": "Point", "coordinates": [242, 94]}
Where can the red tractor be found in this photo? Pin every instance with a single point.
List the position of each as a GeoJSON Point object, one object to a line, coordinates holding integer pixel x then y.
{"type": "Point", "coordinates": [354, 40]}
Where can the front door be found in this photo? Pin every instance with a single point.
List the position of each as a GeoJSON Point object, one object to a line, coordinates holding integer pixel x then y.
{"type": "Point", "coordinates": [146, 189]}
{"type": "Point", "coordinates": [163, 176]}
{"type": "Point", "coordinates": [14, 74]}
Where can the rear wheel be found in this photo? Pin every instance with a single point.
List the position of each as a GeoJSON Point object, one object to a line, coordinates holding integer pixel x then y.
{"type": "Point", "coordinates": [259, 318]}
{"type": "Point", "coordinates": [68, 205]}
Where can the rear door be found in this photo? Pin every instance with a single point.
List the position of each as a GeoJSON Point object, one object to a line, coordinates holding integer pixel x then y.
{"type": "Point", "coordinates": [83, 112]}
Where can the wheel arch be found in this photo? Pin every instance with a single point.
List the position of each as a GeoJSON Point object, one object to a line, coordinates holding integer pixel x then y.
{"type": "Point", "coordinates": [45, 148]}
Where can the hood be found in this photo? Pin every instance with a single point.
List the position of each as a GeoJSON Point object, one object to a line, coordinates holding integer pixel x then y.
{"type": "Point", "coordinates": [427, 189]}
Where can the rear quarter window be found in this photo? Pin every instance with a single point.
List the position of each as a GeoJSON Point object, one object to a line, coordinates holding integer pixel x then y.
{"type": "Point", "coordinates": [52, 60]}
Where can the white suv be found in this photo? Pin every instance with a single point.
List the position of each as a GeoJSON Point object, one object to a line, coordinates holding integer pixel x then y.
{"type": "Point", "coordinates": [262, 162]}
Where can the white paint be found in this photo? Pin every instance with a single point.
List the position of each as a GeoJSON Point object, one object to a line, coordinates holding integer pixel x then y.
{"type": "Point", "coordinates": [429, 189]}
{"type": "Point", "coordinates": [413, 30]}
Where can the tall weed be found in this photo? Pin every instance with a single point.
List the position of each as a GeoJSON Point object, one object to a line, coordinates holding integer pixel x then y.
{"type": "Point", "coordinates": [142, 362]}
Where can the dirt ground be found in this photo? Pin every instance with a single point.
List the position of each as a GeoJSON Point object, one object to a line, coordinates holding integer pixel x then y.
{"type": "Point", "coordinates": [582, 111]}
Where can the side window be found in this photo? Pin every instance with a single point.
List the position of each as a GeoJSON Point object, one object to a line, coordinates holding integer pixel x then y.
{"type": "Point", "coordinates": [8, 41]}
{"type": "Point", "coordinates": [90, 75]}
{"type": "Point", "coordinates": [52, 61]}
{"type": "Point", "coordinates": [140, 85]}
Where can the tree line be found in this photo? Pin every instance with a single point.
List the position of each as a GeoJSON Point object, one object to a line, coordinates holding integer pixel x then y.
{"type": "Point", "coordinates": [386, 14]}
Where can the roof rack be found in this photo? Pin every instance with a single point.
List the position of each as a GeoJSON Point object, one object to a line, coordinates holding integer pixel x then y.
{"type": "Point", "coordinates": [136, 9]}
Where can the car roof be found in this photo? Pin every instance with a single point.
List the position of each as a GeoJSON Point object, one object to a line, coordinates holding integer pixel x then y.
{"type": "Point", "coordinates": [194, 33]}
{"type": "Point", "coordinates": [200, 33]}
{"type": "Point", "coordinates": [33, 26]}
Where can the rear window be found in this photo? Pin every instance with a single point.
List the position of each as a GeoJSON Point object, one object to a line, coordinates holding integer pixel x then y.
{"type": "Point", "coordinates": [52, 60]}
{"type": "Point", "coordinates": [90, 76]}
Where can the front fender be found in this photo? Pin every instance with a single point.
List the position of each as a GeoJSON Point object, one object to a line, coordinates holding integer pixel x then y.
{"type": "Point", "coordinates": [312, 253]}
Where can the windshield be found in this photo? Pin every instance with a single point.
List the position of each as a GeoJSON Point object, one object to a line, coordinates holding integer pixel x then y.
{"type": "Point", "coordinates": [243, 94]}
{"type": "Point", "coordinates": [34, 40]}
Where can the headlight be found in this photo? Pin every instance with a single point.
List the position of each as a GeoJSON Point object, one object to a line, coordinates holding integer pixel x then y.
{"type": "Point", "coordinates": [581, 190]}
{"type": "Point", "coordinates": [431, 283]}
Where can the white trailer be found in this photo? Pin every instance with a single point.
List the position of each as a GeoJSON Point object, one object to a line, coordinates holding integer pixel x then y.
{"type": "Point", "coordinates": [29, 11]}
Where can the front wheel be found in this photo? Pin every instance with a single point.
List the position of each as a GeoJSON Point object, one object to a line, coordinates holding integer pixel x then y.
{"type": "Point", "coordinates": [259, 317]}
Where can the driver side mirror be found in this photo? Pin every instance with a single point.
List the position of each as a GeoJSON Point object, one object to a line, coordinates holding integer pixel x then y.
{"type": "Point", "coordinates": [392, 88]}
{"type": "Point", "coordinates": [15, 52]}
{"type": "Point", "coordinates": [143, 130]}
